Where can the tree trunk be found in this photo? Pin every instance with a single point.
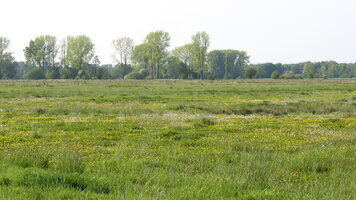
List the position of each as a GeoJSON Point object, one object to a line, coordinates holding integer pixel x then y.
{"type": "Point", "coordinates": [157, 76]}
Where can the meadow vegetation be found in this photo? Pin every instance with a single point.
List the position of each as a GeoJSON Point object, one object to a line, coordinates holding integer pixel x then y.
{"type": "Point", "coordinates": [168, 139]}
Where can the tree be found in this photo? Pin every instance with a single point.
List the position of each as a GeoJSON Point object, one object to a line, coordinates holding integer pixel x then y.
{"type": "Point", "coordinates": [175, 68]}
{"type": "Point", "coordinates": [251, 72]}
{"type": "Point", "coordinates": [309, 70]}
{"type": "Point", "coordinates": [7, 66]}
{"type": "Point", "coordinates": [240, 64]}
{"type": "Point", "coordinates": [185, 54]}
{"type": "Point", "coordinates": [275, 75]}
{"type": "Point", "coordinates": [119, 71]}
{"type": "Point", "coordinates": [123, 50]}
{"type": "Point", "coordinates": [216, 63]}
{"type": "Point", "coordinates": [135, 75]}
{"type": "Point", "coordinates": [290, 75]}
{"type": "Point", "coordinates": [96, 61]}
{"type": "Point", "coordinates": [42, 51]}
{"type": "Point", "coordinates": [140, 56]}
{"type": "Point", "coordinates": [68, 72]}
{"type": "Point", "coordinates": [21, 68]}
{"type": "Point", "coordinates": [35, 73]}
{"type": "Point", "coordinates": [80, 51]}
{"type": "Point", "coordinates": [4, 49]}
{"type": "Point", "coordinates": [157, 44]}
{"type": "Point", "coordinates": [63, 53]}
{"type": "Point", "coordinates": [228, 63]}
{"type": "Point", "coordinates": [52, 73]}
{"type": "Point", "coordinates": [201, 43]}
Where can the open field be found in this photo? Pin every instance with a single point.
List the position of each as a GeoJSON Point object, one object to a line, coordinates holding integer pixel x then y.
{"type": "Point", "coordinates": [266, 139]}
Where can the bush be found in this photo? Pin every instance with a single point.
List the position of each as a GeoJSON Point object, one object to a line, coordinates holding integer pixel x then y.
{"type": "Point", "coordinates": [211, 77]}
{"type": "Point", "coordinates": [53, 73]}
{"type": "Point", "coordinates": [144, 72]}
{"type": "Point", "coordinates": [120, 71]}
{"type": "Point", "coordinates": [134, 75]}
{"type": "Point", "coordinates": [251, 72]}
{"type": "Point", "coordinates": [275, 75]}
{"type": "Point", "coordinates": [68, 72]}
{"type": "Point", "coordinates": [290, 75]}
{"type": "Point", "coordinates": [35, 73]}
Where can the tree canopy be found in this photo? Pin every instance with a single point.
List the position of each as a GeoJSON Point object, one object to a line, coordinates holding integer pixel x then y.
{"type": "Point", "coordinates": [74, 58]}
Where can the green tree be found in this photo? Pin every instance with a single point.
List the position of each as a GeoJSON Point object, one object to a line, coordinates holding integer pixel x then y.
{"type": "Point", "coordinates": [68, 72]}
{"type": "Point", "coordinates": [42, 51]}
{"type": "Point", "coordinates": [227, 63]}
{"type": "Point", "coordinates": [123, 50]}
{"type": "Point", "coordinates": [157, 44]}
{"type": "Point", "coordinates": [96, 61]}
{"type": "Point", "coordinates": [35, 73]}
{"type": "Point", "coordinates": [201, 43]}
{"type": "Point", "coordinates": [7, 66]}
{"type": "Point", "coordinates": [240, 64]}
{"type": "Point", "coordinates": [4, 49]}
{"type": "Point", "coordinates": [63, 53]}
{"type": "Point", "coordinates": [251, 72]}
{"type": "Point", "coordinates": [135, 75]}
{"type": "Point", "coordinates": [309, 70]}
{"type": "Point", "coordinates": [140, 57]}
{"type": "Point", "coordinates": [275, 75]}
{"type": "Point", "coordinates": [80, 51]}
{"type": "Point", "coordinates": [185, 54]}
{"type": "Point", "coordinates": [175, 68]}
{"type": "Point", "coordinates": [119, 71]}
{"type": "Point", "coordinates": [52, 73]}
{"type": "Point", "coordinates": [216, 63]}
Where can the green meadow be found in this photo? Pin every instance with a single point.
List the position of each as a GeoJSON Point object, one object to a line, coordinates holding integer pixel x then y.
{"type": "Point", "coordinates": [170, 139]}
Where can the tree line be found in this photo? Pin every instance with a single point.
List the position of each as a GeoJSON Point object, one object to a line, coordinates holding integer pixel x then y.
{"type": "Point", "coordinates": [74, 58]}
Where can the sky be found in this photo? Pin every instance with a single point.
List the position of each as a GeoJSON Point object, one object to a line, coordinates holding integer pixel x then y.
{"type": "Point", "coordinates": [278, 31]}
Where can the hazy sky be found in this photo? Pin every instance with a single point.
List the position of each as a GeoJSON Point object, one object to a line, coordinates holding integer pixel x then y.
{"type": "Point", "coordinates": [269, 30]}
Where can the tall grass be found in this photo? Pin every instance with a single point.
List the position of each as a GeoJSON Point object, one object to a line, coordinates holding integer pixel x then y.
{"type": "Point", "coordinates": [239, 139]}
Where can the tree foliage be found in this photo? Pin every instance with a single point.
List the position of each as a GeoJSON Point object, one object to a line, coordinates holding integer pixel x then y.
{"type": "Point", "coordinates": [80, 51]}
{"type": "Point", "coordinates": [123, 50]}
{"type": "Point", "coordinates": [227, 64]}
{"type": "Point", "coordinates": [251, 72]}
{"type": "Point", "coordinates": [7, 67]}
{"type": "Point", "coordinates": [156, 50]}
{"type": "Point", "coordinates": [200, 45]}
{"type": "Point", "coordinates": [74, 58]}
{"type": "Point", "coordinates": [42, 51]}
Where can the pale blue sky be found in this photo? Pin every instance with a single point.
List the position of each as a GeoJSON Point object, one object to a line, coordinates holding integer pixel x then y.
{"type": "Point", "coordinates": [285, 31]}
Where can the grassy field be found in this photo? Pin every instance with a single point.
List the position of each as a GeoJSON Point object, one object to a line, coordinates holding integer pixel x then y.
{"type": "Point", "coordinates": [267, 139]}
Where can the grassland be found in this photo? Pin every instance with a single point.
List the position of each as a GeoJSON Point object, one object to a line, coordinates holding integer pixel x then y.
{"type": "Point", "coordinates": [178, 139]}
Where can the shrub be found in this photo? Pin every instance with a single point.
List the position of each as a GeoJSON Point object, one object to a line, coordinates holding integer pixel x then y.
{"type": "Point", "coordinates": [251, 72]}
{"type": "Point", "coordinates": [53, 73]}
{"type": "Point", "coordinates": [275, 75]}
{"type": "Point", "coordinates": [134, 75]}
{"type": "Point", "coordinates": [290, 75]}
{"type": "Point", "coordinates": [35, 73]}
{"type": "Point", "coordinates": [211, 77]}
